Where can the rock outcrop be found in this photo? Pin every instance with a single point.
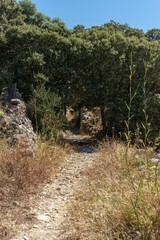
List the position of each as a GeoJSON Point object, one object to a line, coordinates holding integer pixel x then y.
{"type": "Point", "coordinates": [15, 126]}
{"type": "Point", "coordinates": [91, 121]}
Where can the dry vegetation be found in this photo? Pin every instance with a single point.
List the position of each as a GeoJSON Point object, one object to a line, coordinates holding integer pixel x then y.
{"type": "Point", "coordinates": [22, 171]}
{"type": "Point", "coordinates": [21, 176]}
{"type": "Point", "coordinates": [118, 200]}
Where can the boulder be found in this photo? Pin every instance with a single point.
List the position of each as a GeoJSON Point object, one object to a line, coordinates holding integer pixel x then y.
{"type": "Point", "coordinates": [15, 126]}
{"type": "Point", "coordinates": [91, 121]}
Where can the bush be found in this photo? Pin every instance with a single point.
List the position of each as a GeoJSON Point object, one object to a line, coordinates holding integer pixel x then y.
{"type": "Point", "coordinates": [46, 113]}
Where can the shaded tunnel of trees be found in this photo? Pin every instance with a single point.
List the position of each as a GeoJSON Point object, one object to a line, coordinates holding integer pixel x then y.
{"type": "Point", "coordinates": [81, 67]}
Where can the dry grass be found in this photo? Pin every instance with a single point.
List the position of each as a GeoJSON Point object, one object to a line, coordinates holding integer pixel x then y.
{"type": "Point", "coordinates": [22, 171]}
{"type": "Point", "coordinates": [20, 176]}
{"type": "Point", "coordinates": [113, 204]}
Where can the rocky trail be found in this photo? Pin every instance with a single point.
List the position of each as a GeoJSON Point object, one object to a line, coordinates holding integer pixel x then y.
{"type": "Point", "coordinates": [49, 207]}
{"type": "Point", "coordinates": [44, 214]}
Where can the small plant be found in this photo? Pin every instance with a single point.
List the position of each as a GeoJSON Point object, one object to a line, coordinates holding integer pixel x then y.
{"type": "Point", "coordinates": [128, 133]}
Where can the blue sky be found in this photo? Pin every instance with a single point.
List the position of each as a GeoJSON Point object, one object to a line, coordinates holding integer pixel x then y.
{"type": "Point", "coordinates": [141, 14]}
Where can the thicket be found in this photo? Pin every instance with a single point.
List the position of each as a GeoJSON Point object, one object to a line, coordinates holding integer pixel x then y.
{"type": "Point", "coordinates": [82, 67]}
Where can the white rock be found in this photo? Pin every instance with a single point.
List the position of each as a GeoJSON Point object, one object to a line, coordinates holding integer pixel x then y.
{"type": "Point", "coordinates": [26, 238]}
{"type": "Point", "coordinates": [155, 160]}
{"type": "Point", "coordinates": [35, 226]}
{"type": "Point", "coordinates": [43, 218]}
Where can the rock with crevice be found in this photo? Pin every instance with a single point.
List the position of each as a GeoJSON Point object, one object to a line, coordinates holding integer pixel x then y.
{"type": "Point", "coordinates": [91, 121]}
{"type": "Point", "coordinates": [15, 126]}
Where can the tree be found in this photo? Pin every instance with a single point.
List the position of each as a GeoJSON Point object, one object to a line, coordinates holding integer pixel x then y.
{"type": "Point", "coordinates": [153, 34]}
{"type": "Point", "coordinates": [10, 15]}
{"type": "Point", "coordinates": [32, 16]}
{"type": "Point", "coordinates": [83, 67]}
{"type": "Point", "coordinates": [79, 29]}
{"type": "Point", "coordinates": [28, 9]}
{"type": "Point", "coordinates": [106, 74]}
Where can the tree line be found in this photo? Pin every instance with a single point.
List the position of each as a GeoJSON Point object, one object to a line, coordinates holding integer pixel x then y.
{"type": "Point", "coordinates": [81, 67]}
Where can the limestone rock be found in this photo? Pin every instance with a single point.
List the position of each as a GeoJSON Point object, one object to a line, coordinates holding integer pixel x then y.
{"type": "Point", "coordinates": [91, 121]}
{"type": "Point", "coordinates": [15, 125]}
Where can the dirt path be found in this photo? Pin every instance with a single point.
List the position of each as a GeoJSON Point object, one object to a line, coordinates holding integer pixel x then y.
{"type": "Point", "coordinates": [49, 207]}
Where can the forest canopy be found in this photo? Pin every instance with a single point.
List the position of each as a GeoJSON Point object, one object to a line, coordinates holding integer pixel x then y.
{"type": "Point", "coordinates": [83, 67]}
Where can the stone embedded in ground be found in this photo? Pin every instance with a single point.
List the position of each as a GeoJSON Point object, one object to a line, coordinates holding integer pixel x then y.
{"type": "Point", "coordinates": [26, 238]}
{"type": "Point", "coordinates": [35, 226]}
{"type": "Point", "coordinates": [43, 218]}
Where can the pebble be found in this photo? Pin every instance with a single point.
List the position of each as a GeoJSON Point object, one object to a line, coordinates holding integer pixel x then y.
{"type": "Point", "coordinates": [48, 214]}
{"type": "Point", "coordinates": [35, 226]}
{"type": "Point", "coordinates": [26, 238]}
{"type": "Point", "coordinates": [43, 218]}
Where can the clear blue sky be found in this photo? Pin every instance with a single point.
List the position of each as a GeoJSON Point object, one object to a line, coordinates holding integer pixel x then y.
{"type": "Point", "coordinates": [141, 14]}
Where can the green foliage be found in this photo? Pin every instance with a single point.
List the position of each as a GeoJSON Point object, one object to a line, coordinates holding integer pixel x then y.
{"type": "Point", "coordinates": [33, 17]}
{"type": "Point", "coordinates": [46, 113]}
{"type": "Point", "coordinates": [28, 9]}
{"type": "Point", "coordinates": [84, 67]}
{"type": "Point", "coordinates": [10, 15]}
{"type": "Point", "coordinates": [79, 28]}
{"type": "Point", "coordinates": [153, 34]}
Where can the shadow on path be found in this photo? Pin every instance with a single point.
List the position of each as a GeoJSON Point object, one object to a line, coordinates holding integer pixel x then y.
{"type": "Point", "coordinates": [82, 143]}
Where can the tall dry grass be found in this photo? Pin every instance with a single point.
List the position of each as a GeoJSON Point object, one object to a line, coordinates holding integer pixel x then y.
{"type": "Point", "coordinates": [20, 176]}
{"type": "Point", "coordinates": [110, 205]}
{"type": "Point", "coordinates": [21, 171]}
